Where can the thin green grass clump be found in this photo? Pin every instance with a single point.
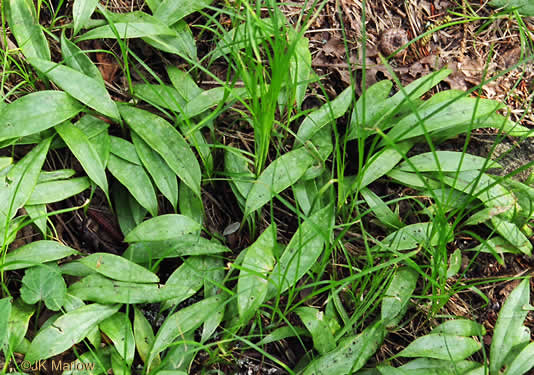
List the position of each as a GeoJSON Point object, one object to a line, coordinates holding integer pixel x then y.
{"type": "Point", "coordinates": [335, 287]}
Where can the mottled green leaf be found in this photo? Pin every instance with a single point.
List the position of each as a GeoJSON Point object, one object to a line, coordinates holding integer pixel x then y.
{"type": "Point", "coordinates": [100, 289]}
{"type": "Point", "coordinates": [17, 186]}
{"type": "Point", "coordinates": [252, 283]}
{"type": "Point", "coordinates": [19, 320]}
{"type": "Point", "coordinates": [513, 234]}
{"type": "Point", "coordinates": [511, 317]}
{"type": "Point", "coordinates": [35, 253]}
{"type": "Point", "coordinates": [524, 7]}
{"type": "Point", "coordinates": [44, 283]}
{"type": "Point", "coordinates": [316, 322]}
{"type": "Point", "coordinates": [38, 215]}
{"type": "Point", "coordinates": [382, 162]}
{"type": "Point", "coordinates": [160, 95]}
{"type": "Point", "coordinates": [350, 355]}
{"type": "Point", "coordinates": [181, 42]}
{"type": "Point", "coordinates": [153, 4]}
{"type": "Point", "coordinates": [482, 186]}
{"type": "Point", "coordinates": [166, 141]}
{"type": "Point", "coordinates": [161, 173]}
{"type": "Point", "coordinates": [147, 251]}
{"type": "Point", "coordinates": [413, 235]}
{"type": "Point", "coordinates": [397, 296]}
{"type": "Point", "coordinates": [523, 362]}
{"type": "Point", "coordinates": [236, 166]}
{"type": "Point", "coordinates": [369, 106]}
{"type": "Point", "coordinates": [183, 83]}
{"type": "Point", "coordinates": [5, 312]}
{"type": "Point", "coordinates": [118, 268]}
{"type": "Point", "coordinates": [326, 114]}
{"type": "Point", "coordinates": [190, 204]}
{"type": "Point", "coordinates": [58, 174]}
{"type": "Point", "coordinates": [5, 162]}
{"type": "Point", "coordinates": [381, 210]}
{"type": "Point", "coordinates": [25, 27]}
{"type": "Point", "coordinates": [78, 60]}
{"type": "Point", "coordinates": [302, 251]}
{"type": "Point", "coordinates": [124, 149]}
{"type": "Point", "coordinates": [91, 126]}
{"type": "Point", "coordinates": [278, 176]}
{"type": "Point", "coordinates": [441, 116]}
{"type": "Point", "coordinates": [136, 181]}
{"type": "Point", "coordinates": [440, 346]}
{"type": "Point", "coordinates": [446, 161]}
{"type": "Point", "coordinates": [86, 89]}
{"type": "Point", "coordinates": [178, 358]}
{"type": "Point", "coordinates": [56, 191]}
{"type": "Point", "coordinates": [214, 277]}
{"type": "Point", "coordinates": [172, 11]}
{"type": "Point", "coordinates": [460, 327]}
{"type": "Point", "coordinates": [129, 25]}
{"type": "Point", "coordinates": [188, 278]}
{"type": "Point", "coordinates": [282, 333]}
{"type": "Point", "coordinates": [81, 13]}
{"type": "Point", "coordinates": [182, 322]}
{"type": "Point", "coordinates": [430, 366]}
{"type": "Point", "coordinates": [143, 335]}
{"type": "Point", "coordinates": [129, 212]}
{"type": "Point", "coordinates": [83, 149]}
{"type": "Point", "coordinates": [36, 112]}
{"type": "Point", "coordinates": [455, 263]}
{"type": "Point", "coordinates": [212, 97]}
{"type": "Point", "coordinates": [405, 98]}
{"type": "Point", "coordinates": [67, 330]}
{"type": "Point", "coordinates": [163, 227]}
{"type": "Point", "coordinates": [238, 37]}
{"type": "Point", "coordinates": [119, 329]}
